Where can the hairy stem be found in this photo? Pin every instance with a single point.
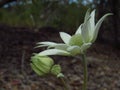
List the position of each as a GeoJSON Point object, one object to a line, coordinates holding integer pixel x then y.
{"type": "Point", "coordinates": [64, 83]}
{"type": "Point", "coordinates": [85, 72]}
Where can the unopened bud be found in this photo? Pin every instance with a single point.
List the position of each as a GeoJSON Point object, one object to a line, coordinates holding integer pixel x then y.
{"type": "Point", "coordinates": [42, 64]}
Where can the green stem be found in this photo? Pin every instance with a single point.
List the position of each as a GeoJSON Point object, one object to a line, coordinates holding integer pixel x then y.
{"type": "Point", "coordinates": [85, 72]}
{"type": "Point", "coordinates": [64, 83]}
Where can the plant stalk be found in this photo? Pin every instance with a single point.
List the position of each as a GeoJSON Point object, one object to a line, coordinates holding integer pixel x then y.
{"type": "Point", "coordinates": [85, 72]}
{"type": "Point", "coordinates": [64, 83]}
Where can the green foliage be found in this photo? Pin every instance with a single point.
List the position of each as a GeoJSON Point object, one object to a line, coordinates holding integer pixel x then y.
{"type": "Point", "coordinates": [44, 13]}
{"type": "Point", "coordinates": [73, 16]}
{"type": "Point", "coordinates": [13, 18]}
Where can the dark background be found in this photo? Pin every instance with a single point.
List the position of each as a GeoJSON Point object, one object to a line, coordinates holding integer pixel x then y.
{"type": "Point", "coordinates": [23, 23]}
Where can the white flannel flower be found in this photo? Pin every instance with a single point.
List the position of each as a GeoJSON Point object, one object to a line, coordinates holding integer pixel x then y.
{"type": "Point", "coordinates": [78, 43]}
{"type": "Point", "coordinates": [89, 30]}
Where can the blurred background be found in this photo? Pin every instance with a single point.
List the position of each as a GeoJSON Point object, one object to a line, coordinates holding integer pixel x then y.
{"type": "Point", "coordinates": [23, 23]}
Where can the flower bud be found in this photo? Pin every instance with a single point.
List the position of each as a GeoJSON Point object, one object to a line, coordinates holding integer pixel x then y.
{"type": "Point", "coordinates": [56, 69]}
{"type": "Point", "coordinates": [42, 64]}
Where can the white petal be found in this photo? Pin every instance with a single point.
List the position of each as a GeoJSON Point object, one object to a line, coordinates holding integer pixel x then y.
{"type": "Point", "coordinates": [79, 29]}
{"type": "Point", "coordinates": [74, 50]}
{"type": "Point", "coordinates": [85, 31]}
{"type": "Point", "coordinates": [98, 26]}
{"type": "Point", "coordinates": [58, 46]}
{"type": "Point", "coordinates": [92, 19]}
{"type": "Point", "coordinates": [92, 24]}
{"type": "Point", "coordinates": [46, 43]}
{"type": "Point", "coordinates": [53, 52]}
{"type": "Point", "coordinates": [73, 47]}
{"type": "Point", "coordinates": [86, 27]}
{"type": "Point", "coordinates": [85, 46]}
{"type": "Point", "coordinates": [61, 46]}
{"type": "Point", "coordinates": [41, 46]}
{"type": "Point", "coordinates": [87, 15]}
{"type": "Point", "coordinates": [65, 37]}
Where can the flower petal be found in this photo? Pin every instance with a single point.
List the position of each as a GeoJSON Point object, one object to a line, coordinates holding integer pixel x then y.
{"type": "Point", "coordinates": [61, 46]}
{"type": "Point", "coordinates": [41, 46]}
{"type": "Point", "coordinates": [54, 52]}
{"type": "Point", "coordinates": [85, 46]}
{"type": "Point", "coordinates": [98, 26]}
{"type": "Point", "coordinates": [92, 24]}
{"type": "Point", "coordinates": [79, 29]}
{"type": "Point", "coordinates": [45, 44]}
{"type": "Point", "coordinates": [85, 31]}
{"type": "Point", "coordinates": [74, 50]}
{"type": "Point", "coordinates": [65, 37]}
{"type": "Point", "coordinates": [87, 15]}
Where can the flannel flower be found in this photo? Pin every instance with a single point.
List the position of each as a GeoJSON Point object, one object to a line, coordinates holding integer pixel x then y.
{"type": "Point", "coordinates": [78, 43]}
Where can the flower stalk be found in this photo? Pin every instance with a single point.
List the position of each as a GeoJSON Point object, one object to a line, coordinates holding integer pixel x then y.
{"type": "Point", "coordinates": [85, 72]}
{"type": "Point", "coordinates": [64, 83]}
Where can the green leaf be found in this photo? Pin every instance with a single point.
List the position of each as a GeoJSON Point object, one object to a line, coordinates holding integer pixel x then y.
{"type": "Point", "coordinates": [98, 26]}
{"type": "Point", "coordinates": [54, 52]}
{"type": "Point", "coordinates": [65, 37]}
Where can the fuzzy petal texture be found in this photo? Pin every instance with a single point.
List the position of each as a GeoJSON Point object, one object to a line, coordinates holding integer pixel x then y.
{"type": "Point", "coordinates": [87, 15]}
{"type": "Point", "coordinates": [74, 50]}
{"type": "Point", "coordinates": [92, 24]}
{"type": "Point", "coordinates": [85, 46]}
{"type": "Point", "coordinates": [65, 37]}
{"type": "Point", "coordinates": [61, 46]}
{"type": "Point", "coordinates": [54, 52]}
{"type": "Point", "coordinates": [47, 43]}
{"type": "Point", "coordinates": [85, 31]}
{"type": "Point", "coordinates": [98, 26]}
{"type": "Point", "coordinates": [79, 29]}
